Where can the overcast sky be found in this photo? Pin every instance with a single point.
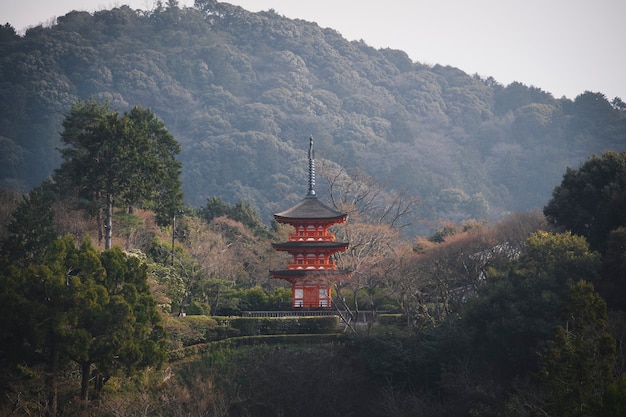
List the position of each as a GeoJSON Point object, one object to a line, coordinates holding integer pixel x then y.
{"type": "Point", "coordinates": [564, 47]}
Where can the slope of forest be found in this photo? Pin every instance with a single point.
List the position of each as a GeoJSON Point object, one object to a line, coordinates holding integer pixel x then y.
{"type": "Point", "coordinates": [242, 92]}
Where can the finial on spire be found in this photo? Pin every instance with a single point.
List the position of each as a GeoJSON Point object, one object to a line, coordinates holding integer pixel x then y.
{"type": "Point", "coordinates": [311, 192]}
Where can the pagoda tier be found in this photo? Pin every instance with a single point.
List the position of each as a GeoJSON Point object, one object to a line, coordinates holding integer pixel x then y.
{"type": "Point", "coordinates": [311, 255]}
{"type": "Point", "coordinates": [311, 271]}
{"type": "Point", "coordinates": [310, 210]}
{"type": "Point", "coordinates": [304, 276]}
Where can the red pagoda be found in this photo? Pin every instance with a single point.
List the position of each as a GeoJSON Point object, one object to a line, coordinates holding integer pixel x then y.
{"type": "Point", "coordinates": [312, 271]}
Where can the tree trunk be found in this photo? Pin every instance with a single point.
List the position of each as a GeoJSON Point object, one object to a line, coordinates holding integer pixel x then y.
{"type": "Point", "coordinates": [108, 222]}
{"type": "Point", "coordinates": [99, 222]}
{"type": "Point", "coordinates": [216, 304]}
{"type": "Point", "coordinates": [52, 381]}
{"type": "Point", "coordinates": [85, 368]}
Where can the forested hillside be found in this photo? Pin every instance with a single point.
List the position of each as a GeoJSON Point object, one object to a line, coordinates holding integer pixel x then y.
{"type": "Point", "coordinates": [242, 92]}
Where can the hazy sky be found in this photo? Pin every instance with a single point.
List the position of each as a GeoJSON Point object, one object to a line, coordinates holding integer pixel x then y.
{"type": "Point", "coordinates": [564, 47]}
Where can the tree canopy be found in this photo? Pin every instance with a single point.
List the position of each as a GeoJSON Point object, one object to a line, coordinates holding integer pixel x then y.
{"type": "Point", "coordinates": [516, 312]}
{"type": "Point", "coordinates": [590, 201]}
{"type": "Point", "coordinates": [123, 159]}
{"type": "Point", "coordinates": [243, 91]}
{"type": "Point", "coordinates": [76, 304]}
{"type": "Point", "coordinates": [577, 365]}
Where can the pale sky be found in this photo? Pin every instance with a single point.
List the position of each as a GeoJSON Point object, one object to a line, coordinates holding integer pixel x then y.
{"type": "Point", "coordinates": [564, 47]}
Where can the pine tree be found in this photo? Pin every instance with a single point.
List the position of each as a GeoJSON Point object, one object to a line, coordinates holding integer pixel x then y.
{"type": "Point", "coordinates": [122, 159]}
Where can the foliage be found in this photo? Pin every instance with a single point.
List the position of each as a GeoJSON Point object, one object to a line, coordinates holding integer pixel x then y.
{"type": "Point", "coordinates": [127, 159]}
{"type": "Point", "coordinates": [590, 201]}
{"type": "Point", "coordinates": [517, 308]}
{"type": "Point", "coordinates": [612, 283]}
{"type": "Point", "coordinates": [218, 268]}
{"type": "Point", "coordinates": [76, 304]}
{"type": "Point", "coordinates": [190, 330]}
{"type": "Point", "coordinates": [434, 281]}
{"type": "Point", "coordinates": [264, 381]}
{"type": "Point", "coordinates": [481, 357]}
{"type": "Point", "coordinates": [241, 90]}
{"type": "Point", "coordinates": [30, 232]}
{"type": "Point", "coordinates": [577, 365]}
{"type": "Point", "coordinates": [614, 401]}
{"type": "Point", "coordinates": [241, 212]}
{"type": "Point", "coordinates": [388, 357]}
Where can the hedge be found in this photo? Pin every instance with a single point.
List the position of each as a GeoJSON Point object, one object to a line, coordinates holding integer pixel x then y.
{"type": "Point", "coordinates": [253, 326]}
{"type": "Point", "coordinates": [226, 344]}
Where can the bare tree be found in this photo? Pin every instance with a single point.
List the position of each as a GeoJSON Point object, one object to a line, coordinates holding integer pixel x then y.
{"type": "Point", "coordinates": [373, 230]}
{"type": "Point", "coordinates": [433, 283]}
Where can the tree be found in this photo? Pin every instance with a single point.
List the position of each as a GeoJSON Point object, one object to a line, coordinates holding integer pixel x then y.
{"type": "Point", "coordinates": [437, 279]}
{"type": "Point", "coordinates": [162, 172]}
{"type": "Point", "coordinates": [241, 212]}
{"type": "Point", "coordinates": [76, 304]}
{"type": "Point", "coordinates": [121, 328]}
{"type": "Point", "coordinates": [614, 401]}
{"type": "Point", "coordinates": [590, 201]}
{"type": "Point", "coordinates": [30, 232]}
{"type": "Point", "coordinates": [34, 324]}
{"type": "Point", "coordinates": [612, 283]}
{"type": "Point", "coordinates": [129, 158]}
{"type": "Point", "coordinates": [578, 363]}
{"type": "Point", "coordinates": [517, 308]}
{"type": "Point", "coordinates": [376, 217]}
{"type": "Point", "coordinates": [215, 207]}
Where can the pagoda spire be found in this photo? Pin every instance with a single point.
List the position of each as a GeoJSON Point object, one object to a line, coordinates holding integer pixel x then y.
{"type": "Point", "coordinates": [311, 192]}
{"type": "Point", "coordinates": [312, 246]}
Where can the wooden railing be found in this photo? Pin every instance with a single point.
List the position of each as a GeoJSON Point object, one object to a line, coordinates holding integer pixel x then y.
{"type": "Point", "coordinates": [312, 237]}
{"type": "Point", "coordinates": [291, 313]}
{"type": "Point", "coordinates": [312, 265]}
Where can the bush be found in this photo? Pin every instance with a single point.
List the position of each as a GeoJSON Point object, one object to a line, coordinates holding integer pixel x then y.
{"type": "Point", "coordinates": [396, 320]}
{"type": "Point", "coordinates": [191, 330]}
{"type": "Point", "coordinates": [196, 308]}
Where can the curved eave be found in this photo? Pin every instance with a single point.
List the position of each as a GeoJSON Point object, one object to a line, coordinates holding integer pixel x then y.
{"type": "Point", "coordinates": [304, 272]}
{"type": "Point", "coordinates": [310, 208]}
{"type": "Point", "coordinates": [312, 245]}
{"type": "Point", "coordinates": [307, 220]}
{"type": "Point", "coordinates": [314, 275]}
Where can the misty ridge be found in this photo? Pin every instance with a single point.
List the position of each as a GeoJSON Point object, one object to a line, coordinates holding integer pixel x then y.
{"type": "Point", "coordinates": [242, 93]}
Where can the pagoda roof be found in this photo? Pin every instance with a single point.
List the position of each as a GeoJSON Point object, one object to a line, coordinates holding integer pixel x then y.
{"type": "Point", "coordinates": [310, 244]}
{"type": "Point", "coordinates": [310, 275]}
{"type": "Point", "coordinates": [310, 208]}
{"type": "Point", "coordinates": [301, 273]}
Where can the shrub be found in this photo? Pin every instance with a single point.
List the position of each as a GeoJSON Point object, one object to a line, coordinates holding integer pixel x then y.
{"type": "Point", "coordinates": [191, 330]}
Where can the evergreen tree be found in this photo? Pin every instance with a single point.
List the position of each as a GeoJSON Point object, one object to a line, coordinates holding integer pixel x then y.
{"type": "Point", "coordinates": [30, 232]}
{"type": "Point", "coordinates": [612, 284]}
{"type": "Point", "coordinates": [578, 363]}
{"type": "Point", "coordinates": [590, 201]}
{"type": "Point", "coordinates": [127, 158]}
{"type": "Point", "coordinates": [77, 304]}
{"type": "Point", "coordinates": [517, 309]}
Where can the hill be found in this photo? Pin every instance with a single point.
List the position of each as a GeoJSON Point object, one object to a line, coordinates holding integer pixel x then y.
{"type": "Point", "coordinates": [242, 92]}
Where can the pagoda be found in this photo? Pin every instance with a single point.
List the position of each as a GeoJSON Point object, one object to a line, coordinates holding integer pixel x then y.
{"type": "Point", "coordinates": [312, 270]}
